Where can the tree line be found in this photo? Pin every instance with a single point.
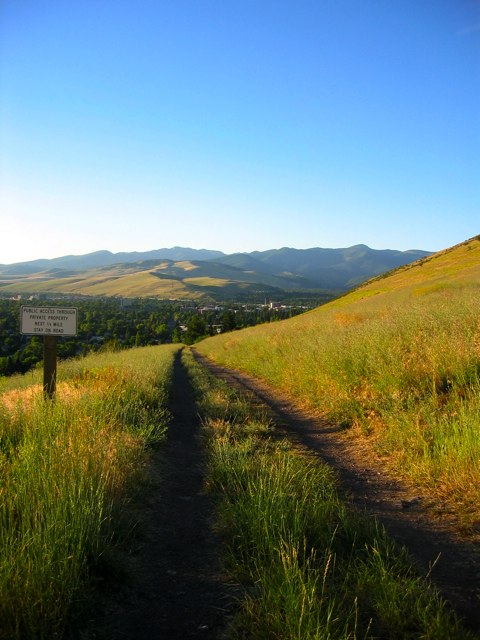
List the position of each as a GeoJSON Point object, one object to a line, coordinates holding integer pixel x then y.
{"type": "Point", "coordinates": [113, 324]}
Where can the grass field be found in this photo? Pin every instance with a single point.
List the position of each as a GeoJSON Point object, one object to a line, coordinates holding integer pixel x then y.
{"type": "Point", "coordinates": [397, 362]}
{"type": "Point", "coordinates": [309, 568]}
{"type": "Point", "coordinates": [67, 469]}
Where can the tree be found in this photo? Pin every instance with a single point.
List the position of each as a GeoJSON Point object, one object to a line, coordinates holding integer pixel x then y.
{"type": "Point", "coordinates": [228, 320]}
{"type": "Point", "coordinates": [196, 329]}
{"type": "Point", "coordinates": [162, 331]}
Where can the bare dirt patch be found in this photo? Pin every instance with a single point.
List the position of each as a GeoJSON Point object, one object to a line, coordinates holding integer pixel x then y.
{"type": "Point", "coordinates": [436, 546]}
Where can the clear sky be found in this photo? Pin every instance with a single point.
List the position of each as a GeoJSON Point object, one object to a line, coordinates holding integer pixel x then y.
{"type": "Point", "coordinates": [237, 125]}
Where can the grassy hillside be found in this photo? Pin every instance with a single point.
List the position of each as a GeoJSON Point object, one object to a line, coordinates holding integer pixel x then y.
{"type": "Point", "coordinates": [397, 362]}
{"type": "Point", "coordinates": [309, 567]}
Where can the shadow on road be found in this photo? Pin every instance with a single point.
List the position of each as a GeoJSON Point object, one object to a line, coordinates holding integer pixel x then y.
{"type": "Point", "coordinates": [176, 590]}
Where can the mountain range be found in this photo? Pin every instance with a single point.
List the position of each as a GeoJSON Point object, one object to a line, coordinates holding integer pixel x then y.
{"type": "Point", "coordinates": [196, 273]}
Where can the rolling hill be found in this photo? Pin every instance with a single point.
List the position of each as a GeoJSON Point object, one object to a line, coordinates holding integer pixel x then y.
{"type": "Point", "coordinates": [187, 279]}
{"type": "Point", "coordinates": [195, 274]}
{"type": "Point", "coordinates": [334, 269]}
{"type": "Point", "coordinates": [98, 259]}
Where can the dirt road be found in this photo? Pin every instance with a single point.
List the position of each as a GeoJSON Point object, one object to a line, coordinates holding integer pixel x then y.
{"type": "Point", "coordinates": [436, 547]}
{"type": "Point", "coordinates": [176, 589]}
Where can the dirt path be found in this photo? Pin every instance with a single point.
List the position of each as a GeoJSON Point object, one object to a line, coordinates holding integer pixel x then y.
{"type": "Point", "coordinates": [452, 563]}
{"type": "Point", "coordinates": [175, 588]}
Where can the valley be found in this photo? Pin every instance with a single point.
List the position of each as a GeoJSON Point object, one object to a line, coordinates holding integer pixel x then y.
{"type": "Point", "coordinates": [196, 275]}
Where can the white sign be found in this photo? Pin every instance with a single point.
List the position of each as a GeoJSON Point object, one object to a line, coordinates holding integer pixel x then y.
{"type": "Point", "coordinates": [47, 321]}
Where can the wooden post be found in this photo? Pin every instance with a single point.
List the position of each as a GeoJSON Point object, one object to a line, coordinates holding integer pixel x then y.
{"type": "Point", "coordinates": [49, 366]}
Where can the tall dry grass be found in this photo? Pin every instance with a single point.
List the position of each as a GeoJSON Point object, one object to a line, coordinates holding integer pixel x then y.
{"type": "Point", "coordinates": [66, 468]}
{"type": "Point", "coordinates": [310, 568]}
{"type": "Point", "coordinates": [399, 365]}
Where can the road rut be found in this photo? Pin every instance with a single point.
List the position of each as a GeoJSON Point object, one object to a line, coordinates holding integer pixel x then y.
{"type": "Point", "coordinates": [452, 563]}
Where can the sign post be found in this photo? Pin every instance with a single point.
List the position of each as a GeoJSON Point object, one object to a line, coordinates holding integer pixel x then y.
{"type": "Point", "coordinates": [49, 366]}
{"type": "Point", "coordinates": [49, 322]}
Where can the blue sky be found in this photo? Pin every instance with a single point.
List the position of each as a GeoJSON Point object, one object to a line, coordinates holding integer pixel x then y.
{"type": "Point", "coordinates": [237, 125]}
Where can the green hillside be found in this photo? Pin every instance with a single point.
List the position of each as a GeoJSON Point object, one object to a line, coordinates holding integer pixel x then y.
{"type": "Point", "coordinates": [397, 362]}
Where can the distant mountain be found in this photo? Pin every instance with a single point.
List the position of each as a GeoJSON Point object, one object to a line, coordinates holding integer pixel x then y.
{"type": "Point", "coordinates": [325, 268]}
{"type": "Point", "coordinates": [182, 272]}
{"type": "Point", "coordinates": [106, 258]}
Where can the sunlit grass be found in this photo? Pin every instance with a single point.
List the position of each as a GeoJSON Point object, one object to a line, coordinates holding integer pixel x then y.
{"type": "Point", "coordinates": [110, 283]}
{"type": "Point", "coordinates": [66, 468]}
{"type": "Point", "coordinates": [207, 281]}
{"type": "Point", "coordinates": [310, 568]}
{"type": "Point", "coordinates": [398, 367]}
